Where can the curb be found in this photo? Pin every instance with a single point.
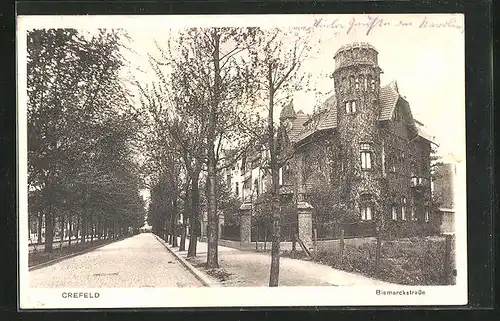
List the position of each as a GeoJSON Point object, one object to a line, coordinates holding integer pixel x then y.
{"type": "Point", "coordinates": [202, 277]}
{"type": "Point", "coordinates": [62, 258]}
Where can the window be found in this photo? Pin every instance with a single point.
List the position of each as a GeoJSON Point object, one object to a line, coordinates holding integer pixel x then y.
{"type": "Point", "coordinates": [356, 84]}
{"type": "Point", "coordinates": [237, 189]}
{"type": "Point", "coordinates": [366, 207]}
{"type": "Point", "coordinates": [412, 214]}
{"type": "Point", "coordinates": [246, 184]}
{"type": "Point", "coordinates": [365, 84]}
{"type": "Point", "coordinates": [366, 156]}
{"type": "Point", "coordinates": [394, 213]}
{"type": "Point", "coordinates": [373, 84]}
{"type": "Point", "coordinates": [256, 186]}
{"type": "Point", "coordinates": [350, 107]}
{"type": "Point", "coordinates": [403, 209]}
{"type": "Point", "coordinates": [426, 215]}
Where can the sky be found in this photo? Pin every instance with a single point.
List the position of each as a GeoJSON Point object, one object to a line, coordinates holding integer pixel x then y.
{"type": "Point", "coordinates": [423, 53]}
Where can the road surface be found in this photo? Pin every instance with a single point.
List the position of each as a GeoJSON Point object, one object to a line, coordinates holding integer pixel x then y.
{"type": "Point", "coordinates": [136, 262]}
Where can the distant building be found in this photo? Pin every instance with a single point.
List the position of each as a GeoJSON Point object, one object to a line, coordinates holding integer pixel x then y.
{"type": "Point", "coordinates": [443, 190]}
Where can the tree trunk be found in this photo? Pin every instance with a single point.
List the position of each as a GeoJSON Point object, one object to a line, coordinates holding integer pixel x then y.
{"type": "Point", "coordinates": [182, 245]}
{"type": "Point", "coordinates": [78, 229]}
{"type": "Point", "coordinates": [213, 220]}
{"type": "Point", "coordinates": [194, 214]}
{"type": "Point", "coordinates": [39, 231]}
{"type": "Point", "coordinates": [62, 231]}
{"type": "Point", "coordinates": [70, 232]}
{"type": "Point", "coordinates": [91, 228]}
{"type": "Point", "coordinates": [174, 222]}
{"type": "Point", "coordinates": [49, 230]}
{"type": "Point", "coordinates": [84, 228]}
{"type": "Point", "coordinates": [275, 245]}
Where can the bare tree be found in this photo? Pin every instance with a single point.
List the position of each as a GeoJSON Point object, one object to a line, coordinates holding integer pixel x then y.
{"type": "Point", "coordinates": [277, 61]}
{"type": "Point", "coordinates": [205, 74]}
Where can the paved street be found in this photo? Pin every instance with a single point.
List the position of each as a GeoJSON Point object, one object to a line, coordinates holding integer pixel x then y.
{"type": "Point", "coordinates": [138, 261]}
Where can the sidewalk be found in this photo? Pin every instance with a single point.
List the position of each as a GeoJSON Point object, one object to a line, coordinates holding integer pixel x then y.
{"type": "Point", "coordinates": [245, 268]}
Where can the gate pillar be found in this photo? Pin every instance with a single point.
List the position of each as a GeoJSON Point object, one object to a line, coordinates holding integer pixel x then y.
{"type": "Point", "coordinates": [245, 223]}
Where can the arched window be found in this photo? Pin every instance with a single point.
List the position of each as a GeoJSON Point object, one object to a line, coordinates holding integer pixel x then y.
{"type": "Point", "coordinates": [366, 206]}
{"type": "Point", "coordinates": [356, 84]}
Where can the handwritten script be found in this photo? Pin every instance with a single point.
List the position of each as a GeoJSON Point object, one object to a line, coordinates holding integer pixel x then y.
{"type": "Point", "coordinates": [370, 24]}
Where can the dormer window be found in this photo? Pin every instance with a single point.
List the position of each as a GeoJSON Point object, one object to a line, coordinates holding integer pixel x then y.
{"type": "Point", "coordinates": [350, 107]}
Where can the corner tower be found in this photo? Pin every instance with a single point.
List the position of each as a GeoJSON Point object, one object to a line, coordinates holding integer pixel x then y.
{"type": "Point", "coordinates": [357, 86]}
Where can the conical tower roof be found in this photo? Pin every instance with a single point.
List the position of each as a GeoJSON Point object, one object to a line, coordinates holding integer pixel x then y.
{"type": "Point", "coordinates": [288, 111]}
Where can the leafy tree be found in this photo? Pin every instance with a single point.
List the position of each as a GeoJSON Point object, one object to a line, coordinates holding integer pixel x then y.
{"type": "Point", "coordinates": [80, 132]}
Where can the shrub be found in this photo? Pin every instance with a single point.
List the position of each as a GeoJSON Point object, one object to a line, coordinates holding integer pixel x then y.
{"type": "Point", "coordinates": [410, 261]}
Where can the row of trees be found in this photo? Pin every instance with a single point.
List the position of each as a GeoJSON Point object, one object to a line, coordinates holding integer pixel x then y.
{"type": "Point", "coordinates": [81, 133]}
{"type": "Point", "coordinates": [214, 99]}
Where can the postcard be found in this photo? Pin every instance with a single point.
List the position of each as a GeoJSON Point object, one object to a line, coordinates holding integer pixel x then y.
{"type": "Point", "coordinates": [241, 161]}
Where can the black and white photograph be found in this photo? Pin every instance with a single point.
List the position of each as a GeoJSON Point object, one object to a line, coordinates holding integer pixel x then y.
{"type": "Point", "coordinates": [241, 160]}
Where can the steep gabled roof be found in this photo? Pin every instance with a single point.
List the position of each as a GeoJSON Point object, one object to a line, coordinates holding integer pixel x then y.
{"type": "Point", "coordinates": [389, 97]}
{"type": "Point", "coordinates": [325, 119]}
